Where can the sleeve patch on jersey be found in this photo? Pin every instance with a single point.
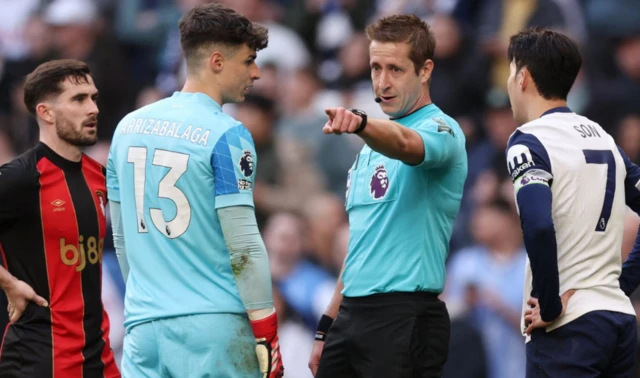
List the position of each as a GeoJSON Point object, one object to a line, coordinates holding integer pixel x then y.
{"type": "Point", "coordinates": [222, 163]}
{"type": "Point", "coordinates": [519, 159]}
{"type": "Point", "coordinates": [244, 184]}
{"type": "Point", "coordinates": [234, 161]}
{"type": "Point", "coordinates": [246, 163]}
{"type": "Point", "coordinates": [534, 176]}
{"type": "Point", "coordinates": [443, 126]}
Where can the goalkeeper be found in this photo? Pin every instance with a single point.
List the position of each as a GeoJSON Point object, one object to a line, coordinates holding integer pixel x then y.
{"type": "Point", "coordinates": [180, 176]}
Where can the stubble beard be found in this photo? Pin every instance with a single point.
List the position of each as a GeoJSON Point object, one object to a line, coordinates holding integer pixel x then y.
{"type": "Point", "coordinates": [68, 133]}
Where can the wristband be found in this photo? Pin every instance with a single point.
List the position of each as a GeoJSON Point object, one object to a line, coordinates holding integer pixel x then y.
{"type": "Point", "coordinates": [363, 123]}
{"type": "Point", "coordinates": [267, 327]}
{"type": "Point", "coordinates": [323, 327]}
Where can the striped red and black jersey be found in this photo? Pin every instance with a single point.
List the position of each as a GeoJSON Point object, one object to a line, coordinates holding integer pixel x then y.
{"type": "Point", "coordinates": [52, 229]}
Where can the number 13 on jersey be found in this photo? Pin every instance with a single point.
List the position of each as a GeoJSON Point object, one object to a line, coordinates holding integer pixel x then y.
{"type": "Point", "coordinates": [178, 165]}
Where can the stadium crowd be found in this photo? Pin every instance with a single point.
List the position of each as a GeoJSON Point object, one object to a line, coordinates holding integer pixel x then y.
{"type": "Point", "coordinates": [317, 57]}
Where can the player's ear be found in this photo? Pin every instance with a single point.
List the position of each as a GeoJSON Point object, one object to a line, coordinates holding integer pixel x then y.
{"type": "Point", "coordinates": [523, 78]}
{"type": "Point", "coordinates": [216, 61]}
{"type": "Point", "coordinates": [45, 112]}
{"type": "Point", "coordinates": [426, 71]}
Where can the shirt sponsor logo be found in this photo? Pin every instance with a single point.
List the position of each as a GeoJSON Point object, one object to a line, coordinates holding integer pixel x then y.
{"type": "Point", "coordinates": [518, 160]}
{"type": "Point", "coordinates": [78, 255]}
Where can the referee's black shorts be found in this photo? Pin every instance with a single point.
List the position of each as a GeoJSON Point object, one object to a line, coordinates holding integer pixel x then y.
{"type": "Point", "coordinates": [391, 335]}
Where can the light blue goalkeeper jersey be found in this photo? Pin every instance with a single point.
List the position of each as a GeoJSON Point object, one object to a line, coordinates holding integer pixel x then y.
{"type": "Point", "coordinates": [171, 165]}
{"type": "Point", "coordinates": [400, 216]}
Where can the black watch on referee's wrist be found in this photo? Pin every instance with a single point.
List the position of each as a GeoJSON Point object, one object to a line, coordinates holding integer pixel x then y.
{"type": "Point", "coordinates": [363, 123]}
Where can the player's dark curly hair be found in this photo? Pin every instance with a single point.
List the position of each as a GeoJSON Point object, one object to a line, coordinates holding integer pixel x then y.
{"type": "Point", "coordinates": [214, 23]}
{"type": "Point", "coordinates": [552, 59]}
{"type": "Point", "coordinates": [45, 80]}
{"type": "Point", "coordinates": [409, 29]}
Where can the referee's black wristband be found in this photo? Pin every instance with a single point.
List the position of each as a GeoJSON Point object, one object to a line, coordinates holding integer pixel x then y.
{"type": "Point", "coordinates": [323, 327]}
{"type": "Point", "coordinates": [363, 123]}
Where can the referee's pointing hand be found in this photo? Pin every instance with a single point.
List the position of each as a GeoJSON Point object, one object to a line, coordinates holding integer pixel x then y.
{"type": "Point", "coordinates": [341, 121]}
{"type": "Point", "coordinates": [19, 294]}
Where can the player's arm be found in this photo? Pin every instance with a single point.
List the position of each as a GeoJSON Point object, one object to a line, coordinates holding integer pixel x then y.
{"type": "Point", "coordinates": [630, 276]}
{"type": "Point", "coordinates": [13, 181]}
{"type": "Point", "coordinates": [430, 145]}
{"type": "Point", "coordinates": [233, 161]}
{"type": "Point", "coordinates": [250, 265]}
{"type": "Point", "coordinates": [6, 279]}
{"type": "Point", "coordinates": [534, 202]}
{"type": "Point", "coordinates": [118, 238]}
{"type": "Point", "coordinates": [249, 260]}
{"type": "Point", "coordinates": [113, 192]}
{"type": "Point", "coordinates": [19, 294]}
{"type": "Point", "coordinates": [11, 185]}
{"type": "Point", "coordinates": [530, 170]}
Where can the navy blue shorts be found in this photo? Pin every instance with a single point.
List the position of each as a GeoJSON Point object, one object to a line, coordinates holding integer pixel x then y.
{"type": "Point", "coordinates": [597, 344]}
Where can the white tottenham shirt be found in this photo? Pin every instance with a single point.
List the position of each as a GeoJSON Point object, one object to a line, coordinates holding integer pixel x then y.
{"type": "Point", "coordinates": [586, 172]}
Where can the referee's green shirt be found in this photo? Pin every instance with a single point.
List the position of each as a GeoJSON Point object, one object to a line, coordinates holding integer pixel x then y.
{"type": "Point", "coordinates": [401, 216]}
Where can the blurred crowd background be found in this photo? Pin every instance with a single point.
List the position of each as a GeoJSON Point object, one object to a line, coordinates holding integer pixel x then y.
{"type": "Point", "coordinates": [317, 57]}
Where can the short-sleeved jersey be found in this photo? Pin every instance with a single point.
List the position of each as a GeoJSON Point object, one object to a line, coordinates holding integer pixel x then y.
{"type": "Point", "coordinates": [400, 216]}
{"type": "Point", "coordinates": [171, 165]}
{"type": "Point", "coordinates": [52, 230]}
{"type": "Point", "coordinates": [582, 165]}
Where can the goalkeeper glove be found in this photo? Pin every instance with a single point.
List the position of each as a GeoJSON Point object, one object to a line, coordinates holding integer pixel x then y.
{"type": "Point", "coordinates": [268, 347]}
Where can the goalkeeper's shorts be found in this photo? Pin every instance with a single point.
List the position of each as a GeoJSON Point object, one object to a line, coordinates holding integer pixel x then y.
{"type": "Point", "coordinates": [206, 345]}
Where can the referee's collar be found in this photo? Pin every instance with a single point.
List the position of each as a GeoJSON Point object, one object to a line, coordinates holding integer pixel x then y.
{"type": "Point", "coordinates": [423, 110]}
{"type": "Point", "coordinates": [198, 97]}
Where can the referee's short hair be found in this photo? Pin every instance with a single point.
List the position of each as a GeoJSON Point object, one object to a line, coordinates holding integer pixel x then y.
{"type": "Point", "coordinates": [552, 59]}
{"type": "Point", "coordinates": [408, 29]}
{"type": "Point", "coordinates": [210, 24]}
{"type": "Point", "coordinates": [45, 80]}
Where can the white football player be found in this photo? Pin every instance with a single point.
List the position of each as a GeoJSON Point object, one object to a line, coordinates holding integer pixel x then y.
{"type": "Point", "coordinates": [572, 183]}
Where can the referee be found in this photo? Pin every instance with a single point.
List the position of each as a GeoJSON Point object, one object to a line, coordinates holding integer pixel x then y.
{"type": "Point", "coordinates": [52, 229]}
{"type": "Point", "coordinates": [403, 195]}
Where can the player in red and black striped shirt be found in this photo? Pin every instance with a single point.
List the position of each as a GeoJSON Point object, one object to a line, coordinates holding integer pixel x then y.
{"type": "Point", "coordinates": [52, 228]}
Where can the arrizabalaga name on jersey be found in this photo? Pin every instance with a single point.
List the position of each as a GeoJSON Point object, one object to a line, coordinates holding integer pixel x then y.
{"type": "Point", "coordinates": [150, 126]}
